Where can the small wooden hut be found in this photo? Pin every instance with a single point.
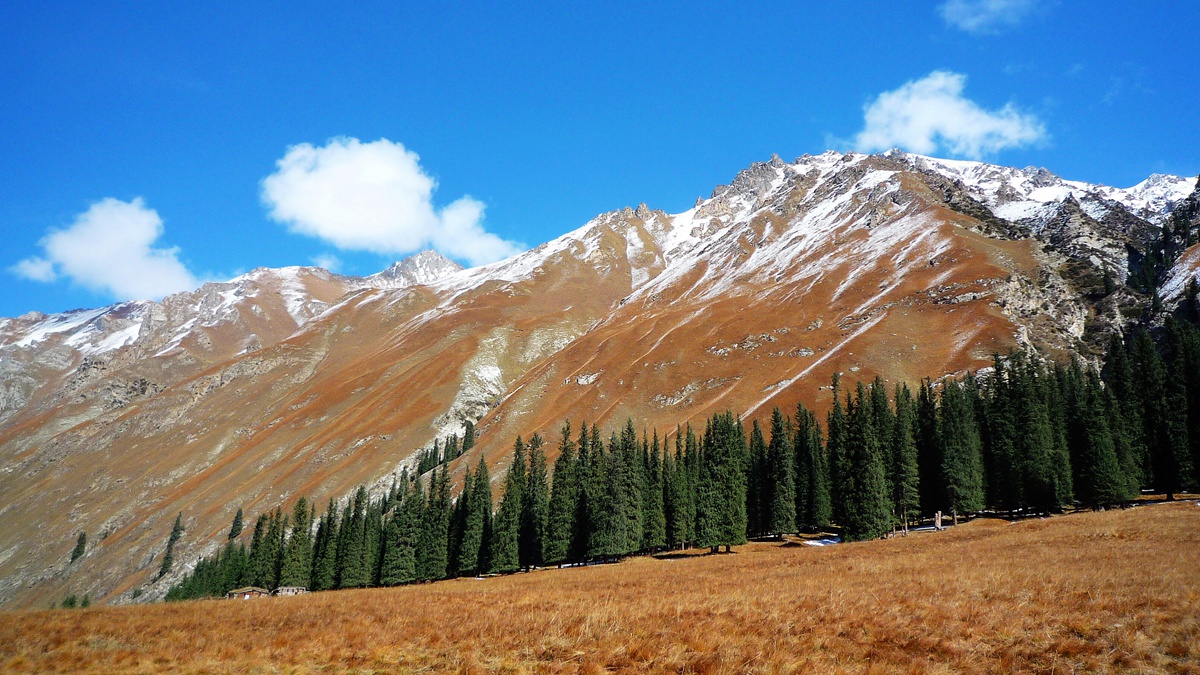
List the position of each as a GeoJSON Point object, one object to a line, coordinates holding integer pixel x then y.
{"type": "Point", "coordinates": [247, 593]}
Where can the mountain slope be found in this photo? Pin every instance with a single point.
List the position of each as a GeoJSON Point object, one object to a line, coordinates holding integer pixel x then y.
{"type": "Point", "coordinates": [295, 382]}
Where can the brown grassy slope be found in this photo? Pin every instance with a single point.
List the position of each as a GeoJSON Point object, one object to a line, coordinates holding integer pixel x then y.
{"type": "Point", "coordinates": [1096, 592]}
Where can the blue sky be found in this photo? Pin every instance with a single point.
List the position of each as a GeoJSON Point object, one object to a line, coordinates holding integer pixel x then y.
{"type": "Point", "coordinates": [146, 147]}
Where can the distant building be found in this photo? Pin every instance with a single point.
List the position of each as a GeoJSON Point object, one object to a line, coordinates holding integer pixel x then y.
{"type": "Point", "coordinates": [290, 590]}
{"type": "Point", "coordinates": [247, 593]}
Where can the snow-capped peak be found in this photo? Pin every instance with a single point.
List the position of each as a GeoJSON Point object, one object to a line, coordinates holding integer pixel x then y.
{"type": "Point", "coordinates": [423, 268]}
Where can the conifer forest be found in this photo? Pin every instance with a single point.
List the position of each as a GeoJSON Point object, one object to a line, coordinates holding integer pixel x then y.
{"type": "Point", "coordinates": [1025, 437]}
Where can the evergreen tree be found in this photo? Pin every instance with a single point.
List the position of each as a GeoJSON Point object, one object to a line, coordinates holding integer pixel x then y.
{"type": "Point", "coordinates": [756, 482]}
{"type": "Point", "coordinates": [864, 491]}
{"type": "Point", "coordinates": [585, 493]}
{"type": "Point", "coordinates": [478, 516]}
{"type": "Point", "coordinates": [654, 518]}
{"type": "Point", "coordinates": [169, 557]}
{"type": "Point", "coordinates": [1002, 470]}
{"type": "Point", "coordinates": [721, 497]}
{"type": "Point", "coordinates": [835, 446]}
{"type": "Point", "coordinates": [468, 440]}
{"type": "Point", "coordinates": [324, 571]}
{"type": "Point", "coordinates": [354, 571]}
{"type": "Point", "coordinates": [814, 505]}
{"type": "Point", "coordinates": [80, 547]}
{"type": "Point", "coordinates": [1098, 478]}
{"type": "Point", "coordinates": [535, 505]}
{"type": "Point", "coordinates": [780, 478]}
{"type": "Point", "coordinates": [236, 528]}
{"type": "Point", "coordinates": [679, 503]}
{"type": "Point", "coordinates": [564, 496]}
{"type": "Point", "coordinates": [962, 463]}
{"type": "Point", "coordinates": [399, 564]}
{"type": "Point", "coordinates": [505, 544]}
{"type": "Point", "coordinates": [929, 452]}
{"type": "Point", "coordinates": [433, 538]}
{"type": "Point", "coordinates": [906, 494]}
{"type": "Point", "coordinates": [296, 569]}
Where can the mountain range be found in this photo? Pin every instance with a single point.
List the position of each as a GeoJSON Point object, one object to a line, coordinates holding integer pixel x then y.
{"type": "Point", "coordinates": [297, 381]}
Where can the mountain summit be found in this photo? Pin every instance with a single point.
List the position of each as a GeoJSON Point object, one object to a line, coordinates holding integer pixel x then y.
{"type": "Point", "coordinates": [297, 381]}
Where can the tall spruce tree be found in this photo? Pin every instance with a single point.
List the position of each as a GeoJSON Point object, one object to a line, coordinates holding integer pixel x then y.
{"type": "Point", "coordinates": [478, 517]}
{"type": "Point", "coordinates": [929, 452]}
{"type": "Point", "coordinates": [835, 445]}
{"type": "Point", "coordinates": [296, 569]}
{"type": "Point", "coordinates": [505, 545]}
{"type": "Point", "coordinates": [780, 478]}
{"type": "Point", "coordinates": [654, 517]}
{"type": "Point", "coordinates": [535, 505]}
{"type": "Point", "coordinates": [399, 564]}
{"type": "Point", "coordinates": [756, 482]}
{"type": "Point", "coordinates": [721, 498]}
{"type": "Point", "coordinates": [354, 570]}
{"type": "Point", "coordinates": [324, 572]}
{"type": "Point", "coordinates": [906, 478]}
{"type": "Point", "coordinates": [962, 462]}
{"type": "Point", "coordinates": [814, 506]}
{"type": "Point", "coordinates": [564, 495]}
{"type": "Point", "coordinates": [433, 538]}
{"type": "Point", "coordinates": [864, 492]}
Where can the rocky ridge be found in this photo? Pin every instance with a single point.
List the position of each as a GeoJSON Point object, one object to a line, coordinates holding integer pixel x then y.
{"type": "Point", "coordinates": [299, 381]}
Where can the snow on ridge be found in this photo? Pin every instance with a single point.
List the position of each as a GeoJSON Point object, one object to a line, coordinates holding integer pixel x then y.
{"type": "Point", "coordinates": [1016, 194]}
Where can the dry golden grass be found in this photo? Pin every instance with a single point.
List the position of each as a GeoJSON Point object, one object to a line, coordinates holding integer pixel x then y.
{"type": "Point", "coordinates": [1093, 592]}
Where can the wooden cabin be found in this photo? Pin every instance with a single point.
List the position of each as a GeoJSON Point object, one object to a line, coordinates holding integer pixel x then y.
{"type": "Point", "coordinates": [247, 593]}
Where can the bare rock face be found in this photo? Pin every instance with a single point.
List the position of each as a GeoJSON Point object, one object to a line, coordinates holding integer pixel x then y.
{"type": "Point", "coordinates": [297, 381]}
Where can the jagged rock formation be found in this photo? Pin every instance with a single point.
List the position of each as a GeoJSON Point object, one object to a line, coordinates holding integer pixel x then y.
{"type": "Point", "coordinates": [301, 382]}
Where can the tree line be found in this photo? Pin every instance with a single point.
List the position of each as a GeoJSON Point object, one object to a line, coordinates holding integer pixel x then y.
{"type": "Point", "coordinates": [1027, 437]}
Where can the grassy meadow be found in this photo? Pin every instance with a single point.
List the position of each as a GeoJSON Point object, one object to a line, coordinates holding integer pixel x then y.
{"type": "Point", "coordinates": [1115, 591]}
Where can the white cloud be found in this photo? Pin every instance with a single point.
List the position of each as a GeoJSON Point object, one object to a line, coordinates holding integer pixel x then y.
{"type": "Point", "coordinates": [35, 269]}
{"type": "Point", "coordinates": [375, 197]}
{"type": "Point", "coordinates": [929, 114]}
{"type": "Point", "coordinates": [110, 249]}
{"type": "Point", "coordinates": [328, 261]}
{"type": "Point", "coordinates": [985, 16]}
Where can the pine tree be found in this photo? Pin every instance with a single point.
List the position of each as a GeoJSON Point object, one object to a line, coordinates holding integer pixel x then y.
{"type": "Point", "coordinates": [654, 518]}
{"type": "Point", "coordinates": [80, 547]}
{"type": "Point", "coordinates": [721, 497]}
{"type": "Point", "coordinates": [354, 570]}
{"type": "Point", "coordinates": [756, 482]}
{"type": "Point", "coordinates": [864, 492]}
{"type": "Point", "coordinates": [1099, 481]}
{"type": "Point", "coordinates": [564, 495]}
{"type": "Point", "coordinates": [585, 493]}
{"type": "Point", "coordinates": [679, 502]}
{"type": "Point", "coordinates": [813, 502]}
{"type": "Point", "coordinates": [468, 440]}
{"type": "Point", "coordinates": [962, 463]}
{"type": "Point", "coordinates": [296, 569]}
{"type": "Point", "coordinates": [906, 494]}
{"type": "Point", "coordinates": [478, 515]}
{"type": "Point", "coordinates": [780, 477]}
{"type": "Point", "coordinates": [505, 544]}
{"type": "Point", "coordinates": [236, 528]}
{"type": "Point", "coordinates": [169, 557]}
{"type": "Point", "coordinates": [433, 538]}
{"type": "Point", "coordinates": [929, 452]}
{"type": "Point", "coordinates": [399, 564]}
{"type": "Point", "coordinates": [324, 570]}
{"type": "Point", "coordinates": [1125, 415]}
{"type": "Point", "coordinates": [835, 445]}
{"type": "Point", "coordinates": [535, 505]}
{"type": "Point", "coordinates": [1002, 471]}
